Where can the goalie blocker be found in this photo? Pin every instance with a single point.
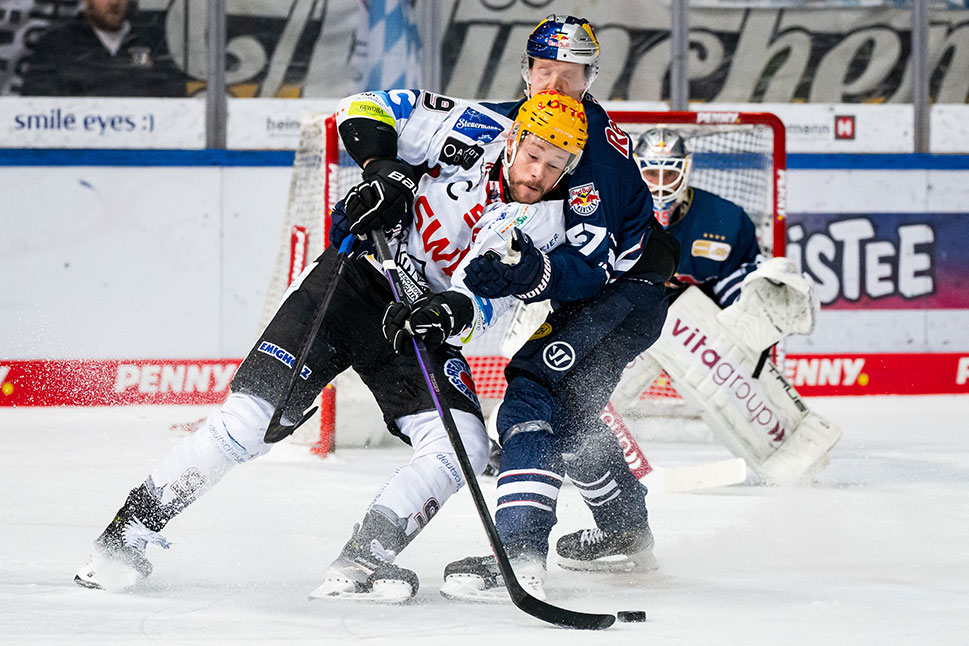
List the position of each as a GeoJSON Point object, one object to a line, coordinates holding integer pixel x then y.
{"type": "Point", "coordinates": [762, 420]}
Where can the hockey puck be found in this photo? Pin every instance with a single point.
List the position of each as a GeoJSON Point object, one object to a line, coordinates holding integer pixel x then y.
{"type": "Point", "coordinates": [631, 616]}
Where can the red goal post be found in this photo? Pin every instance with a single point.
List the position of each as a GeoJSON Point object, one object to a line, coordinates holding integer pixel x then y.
{"type": "Point", "coordinates": [740, 156]}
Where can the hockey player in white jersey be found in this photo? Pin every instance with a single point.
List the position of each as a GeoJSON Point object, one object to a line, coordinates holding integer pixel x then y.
{"type": "Point", "coordinates": [448, 179]}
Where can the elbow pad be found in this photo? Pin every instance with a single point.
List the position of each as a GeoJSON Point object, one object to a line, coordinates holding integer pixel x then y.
{"type": "Point", "coordinates": [368, 139]}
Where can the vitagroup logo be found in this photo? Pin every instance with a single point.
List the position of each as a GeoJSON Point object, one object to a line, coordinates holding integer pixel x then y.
{"type": "Point", "coordinates": [282, 355]}
{"type": "Point", "coordinates": [477, 126]}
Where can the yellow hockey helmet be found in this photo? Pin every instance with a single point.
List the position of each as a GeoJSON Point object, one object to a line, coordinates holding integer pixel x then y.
{"type": "Point", "coordinates": [555, 118]}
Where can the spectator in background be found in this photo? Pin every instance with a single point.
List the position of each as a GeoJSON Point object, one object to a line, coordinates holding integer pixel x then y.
{"type": "Point", "coordinates": [100, 52]}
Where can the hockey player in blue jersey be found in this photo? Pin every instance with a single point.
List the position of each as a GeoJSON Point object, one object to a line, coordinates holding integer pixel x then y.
{"type": "Point", "coordinates": [719, 252]}
{"type": "Point", "coordinates": [607, 215]}
{"type": "Point", "coordinates": [609, 280]}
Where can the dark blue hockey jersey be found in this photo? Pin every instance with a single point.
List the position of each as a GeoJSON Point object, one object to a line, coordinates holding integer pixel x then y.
{"type": "Point", "coordinates": [718, 245]}
{"type": "Point", "coordinates": [607, 210]}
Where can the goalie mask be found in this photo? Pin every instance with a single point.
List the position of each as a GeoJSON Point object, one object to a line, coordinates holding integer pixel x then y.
{"type": "Point", "coordinates": [562, 38]}
{"type": "Point", "coordinates": [664, 162]}
{"type": "Point", "coordinates": [554, 118]}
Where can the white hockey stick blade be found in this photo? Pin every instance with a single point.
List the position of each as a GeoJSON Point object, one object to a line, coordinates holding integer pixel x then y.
{"type": "Point", "coordinates": [695, 477]}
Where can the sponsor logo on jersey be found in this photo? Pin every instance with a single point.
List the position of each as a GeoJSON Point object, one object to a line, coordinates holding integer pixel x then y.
{"type": "Point", "coordinates": [283, 356]}
{"type": "Point", "coordinates": [477, 126]}
{"type": "Point", "coordinates": [458, 373]}
{"type": "Point", "coordinates": [457, 153]}
{"type": "Point", "coordinates": [522, 212]}
{"type": "Point", "coordinates": [710, 249]}
{"type": "Point", "coordinates": [371, 111]}
{"type": "Point", "coordinates": [584, 199]}
{"type": "Point", "coordinates": [543, 330]}
{"type": "Point", "coordinates": [559, 356]}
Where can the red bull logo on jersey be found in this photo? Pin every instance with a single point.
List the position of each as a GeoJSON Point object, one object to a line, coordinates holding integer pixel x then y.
{"type": "Point", "coordinates": [584, 200]}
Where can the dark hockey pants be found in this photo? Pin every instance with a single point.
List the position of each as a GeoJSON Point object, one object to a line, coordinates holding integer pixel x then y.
{"type": "Point", "coordinates": [549, 419]}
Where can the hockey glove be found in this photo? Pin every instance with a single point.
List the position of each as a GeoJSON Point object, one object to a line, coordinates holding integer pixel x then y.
{"type": "Point", "coordinates": [524, 272]}
{"type": "Point", "coordinates": [383, 200]}
{"type": "Point", "coordinates": [432, 319]}
{"type": "Point", "coordinates": [339, 224]}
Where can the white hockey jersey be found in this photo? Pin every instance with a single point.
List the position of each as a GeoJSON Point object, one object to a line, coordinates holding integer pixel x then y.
{"type": "Point", "coordinates": [459, 212]}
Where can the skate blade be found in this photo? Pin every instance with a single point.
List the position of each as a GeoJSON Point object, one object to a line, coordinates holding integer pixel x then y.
{"type": "Point", "coordinates": [620, 563]}
{"type": "Point", "coordinates": [470, 587]}
{"type": "Point", "coordinates": [384, 591]}
{"type": "Point", "coordinates": [102, 573]}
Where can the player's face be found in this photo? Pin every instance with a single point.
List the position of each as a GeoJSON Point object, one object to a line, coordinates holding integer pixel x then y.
{"type": "Point", "coordinates": [564, 78]}
{"type": "Point", "coordinates": [108, 15]}
{"type": "Point", "coordinates": [537, 167]}
{"type": "Point", "coordinates": [669, 179]}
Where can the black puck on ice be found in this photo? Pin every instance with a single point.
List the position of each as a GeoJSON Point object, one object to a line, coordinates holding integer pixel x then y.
{"type": "Point", "coordinates": [630, 616]}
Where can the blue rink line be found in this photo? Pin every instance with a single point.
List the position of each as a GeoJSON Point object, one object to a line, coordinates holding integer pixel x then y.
{"type": "Point", "coordinates": [219, 157]}
{"type": "Point", "coordinates": [92, 157]}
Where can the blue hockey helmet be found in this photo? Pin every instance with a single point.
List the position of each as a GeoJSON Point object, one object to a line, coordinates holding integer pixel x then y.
{"type": "Point", "coordinates": [562, 38]}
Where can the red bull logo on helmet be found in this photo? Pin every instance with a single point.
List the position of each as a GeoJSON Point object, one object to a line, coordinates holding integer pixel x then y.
{"type": "Point", "coordinates": [584, 199]}
{"type": "Point", "coordinates": [558, 39]}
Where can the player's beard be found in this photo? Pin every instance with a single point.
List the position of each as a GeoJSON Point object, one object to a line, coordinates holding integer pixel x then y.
{"type": "Point", "coordinates": [525, 192]}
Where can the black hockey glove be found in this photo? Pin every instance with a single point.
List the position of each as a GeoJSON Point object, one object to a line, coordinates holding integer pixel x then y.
{"type": "Point", "coordinates": [432, 318]}
{"type": "Point", "coordinates": [383, 199]}
{"type": "Point", "coordinates": [660, 258]}
{"type": "Point", "coordinates": [526, 278]}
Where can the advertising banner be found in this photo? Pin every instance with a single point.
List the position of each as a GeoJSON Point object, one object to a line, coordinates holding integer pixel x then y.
{"type": "Point", "coordinates": [199, 381]}
{"type": "Point", "coordinates": [102, 123]}
{"type": "Point", "coordinates": [889, 261]}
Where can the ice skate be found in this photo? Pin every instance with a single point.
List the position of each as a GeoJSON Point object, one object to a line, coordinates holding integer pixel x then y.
{"type": "Point", "coordinates": [603, 551]}
{"type": "Point", "coordinates": [477, 578]}
{"type": "Point", "coordinates": [364, 570]}
{"type": "Point", "coordinates": [118, 562]}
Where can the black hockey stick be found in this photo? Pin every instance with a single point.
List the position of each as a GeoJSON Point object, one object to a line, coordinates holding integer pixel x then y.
{"type": "Point", "coordinates": [526, 602]}
{"type": "Point", "coordinates": [277, 430]}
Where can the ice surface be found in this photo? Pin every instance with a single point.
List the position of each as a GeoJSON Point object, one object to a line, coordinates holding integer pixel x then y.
{"type": "Point", "coordinates": [876, 552]}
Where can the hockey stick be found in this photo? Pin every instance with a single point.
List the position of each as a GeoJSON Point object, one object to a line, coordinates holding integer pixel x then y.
{"type": "Point", "coordinates": [671, 479]}
{"type": "Point", "coordinates": [277, 430]}
{"type": "Point", "coordinates": [526, 602]}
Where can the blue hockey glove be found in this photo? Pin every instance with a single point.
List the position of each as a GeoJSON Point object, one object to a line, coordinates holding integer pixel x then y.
{"type": "Point", "coordinates": [383, 199]}
{"type": "Point", "coordinates": [432, 318]}
{"type": "Point", "coordinates": [524, 273]}
{"type": "Point", "coordinates": [339, 224]}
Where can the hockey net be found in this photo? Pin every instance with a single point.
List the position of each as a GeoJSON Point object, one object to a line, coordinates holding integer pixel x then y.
{"type": "Point", "coordinates": [739, 156]}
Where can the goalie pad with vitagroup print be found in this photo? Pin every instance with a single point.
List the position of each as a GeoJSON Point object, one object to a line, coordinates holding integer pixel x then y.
{"type": "Point", "coordinates": [762, 420]}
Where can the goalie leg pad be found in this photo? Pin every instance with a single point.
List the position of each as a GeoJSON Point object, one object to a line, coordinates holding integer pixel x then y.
{"type": "Point", "coordinates": [754, 418]}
